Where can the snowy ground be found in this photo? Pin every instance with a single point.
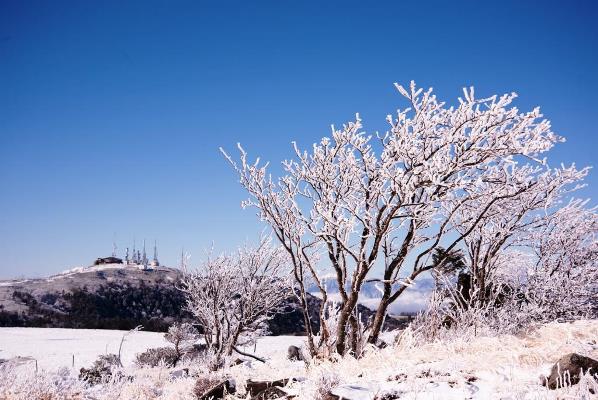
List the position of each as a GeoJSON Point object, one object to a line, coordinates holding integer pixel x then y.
{"type": "Point", "coordinates": [504, 367]}
{"type": "Point", "coordinates": [54, 348]}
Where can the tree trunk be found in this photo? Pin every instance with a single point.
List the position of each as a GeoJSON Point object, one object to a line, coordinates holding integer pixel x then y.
{"type": "Point", "coordinates": [354, 324]}
{"type": "Point", "coordinates": [379, 319]}
{"type": "Point", "coordinates": [381, 310]}
{"type": "Point", "coordinates": [307, 322]}
{"type": "Point", "coordinates": [343, 320]}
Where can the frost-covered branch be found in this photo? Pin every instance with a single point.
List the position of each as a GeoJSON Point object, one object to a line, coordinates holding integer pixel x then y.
{"type": "Point", "coordinates": [353, 201]}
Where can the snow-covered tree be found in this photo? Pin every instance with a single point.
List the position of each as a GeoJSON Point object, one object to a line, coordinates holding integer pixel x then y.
{"type": "Point", "coordinates": [528, 197]}
{"type": "Point", "coordinates": [356, 201]}
{"type": "Point", "coordinates": [524, 270]}
{"type": "Point", "coordinates": [232, 296]}
{"type": "Point", "coordinates": [564, 278]}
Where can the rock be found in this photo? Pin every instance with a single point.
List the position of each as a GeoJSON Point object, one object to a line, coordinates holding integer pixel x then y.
{"type": "Point", "coordinates": [179, 373]}
{"type": "Point", "coordinates": [272, 393]}
{"type": "Point", "coordinates": [256, 387]}
{"type": "Point", "coordinates": [240, 361]}
{"type": "Point", "coordinates": [352, 392]}
{"type": "Point", "coordinates": [294, 353]}
{"type": "Point", "coordinates": [381, 344]}
{"type": "Point", "coordinates": [207, 388]}
{"type": "Point", "coordinates": [567, 370]}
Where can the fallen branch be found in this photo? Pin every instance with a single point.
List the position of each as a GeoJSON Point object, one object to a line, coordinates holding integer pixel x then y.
{"type": "Point", "coordinates": [249, 355]}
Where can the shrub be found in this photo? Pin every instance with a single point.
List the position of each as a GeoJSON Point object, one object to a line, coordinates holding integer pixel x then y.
{"type": "Point", "coordinates": [157, 356]}
{"type": "Point", "coordinates": [182, 336]}
{"type": "Point", "coordinates": [101, 370]}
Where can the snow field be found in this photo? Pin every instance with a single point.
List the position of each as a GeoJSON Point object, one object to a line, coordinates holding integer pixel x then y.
{"type": "Point", "coordinates": [54, 348]}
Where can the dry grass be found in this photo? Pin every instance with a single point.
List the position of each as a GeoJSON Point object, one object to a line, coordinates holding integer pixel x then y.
{"type": "Point", "coordinates": [483, 367]}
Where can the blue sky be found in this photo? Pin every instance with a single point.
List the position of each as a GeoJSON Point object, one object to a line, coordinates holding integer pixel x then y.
{"type": "Point", "coordinates": [111, 113]}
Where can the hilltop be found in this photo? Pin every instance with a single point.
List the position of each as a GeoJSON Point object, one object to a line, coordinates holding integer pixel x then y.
{"type": "Point", "coordinates": [92, 278]}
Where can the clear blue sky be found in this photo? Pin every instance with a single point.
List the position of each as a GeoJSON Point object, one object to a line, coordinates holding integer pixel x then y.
{"type": "Point", "coordinates": [111, 113]}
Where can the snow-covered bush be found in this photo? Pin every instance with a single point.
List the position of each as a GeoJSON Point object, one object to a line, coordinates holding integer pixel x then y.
{"type": "Point", "coordinates": [323, 385]}
{"type": "Point", "coordinates": [182, 336]}
{"type": "Point", "coordinates": [233, 296]}
{"type": "Point", "coordinates": [564, 279]}
{"type": "Point", "coordinates": [521, 271]}
{"type": "Point", "coordinates": [101, 370]}
{"type": "Point", "coordinates": [19, 384]}
{"type": "Point", "coordinates": [158, 356]}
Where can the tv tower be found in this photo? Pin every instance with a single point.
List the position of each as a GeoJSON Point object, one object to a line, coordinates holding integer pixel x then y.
{"type": "Point", "coordinates": [114, 245]}
{"type": "Point", "coordinates": [155, 262]}
{"type": "Point", "coordinates": [184, 259]}
{"type": "Point", "coordinates": [144, 257]}
{"type": "Point", "coordinates": [135, 258]}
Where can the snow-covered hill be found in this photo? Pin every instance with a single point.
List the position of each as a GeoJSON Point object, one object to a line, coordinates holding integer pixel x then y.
{"type": "Point", "coordinates": [90, 277]}
{"type": "Point", "coordinates": [108, 296]}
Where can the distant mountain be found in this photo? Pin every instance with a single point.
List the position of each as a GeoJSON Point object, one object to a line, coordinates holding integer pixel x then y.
{"type": "Point", "coordinates": [413, 299]}
{"type": "Point", "coordinates": [116, 297]}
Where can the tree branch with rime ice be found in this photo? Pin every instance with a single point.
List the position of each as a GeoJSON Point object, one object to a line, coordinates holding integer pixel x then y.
{"type": "Point", "coordinates": [431, 180]}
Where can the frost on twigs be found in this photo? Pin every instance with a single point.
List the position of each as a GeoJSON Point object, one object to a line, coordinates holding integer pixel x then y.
{"type": "Point", "coordinates": [520, 272]}
{"type": "Point", "coordinates": [440, 175]}
{"type": "Point", "coordinates": [232, 296]}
